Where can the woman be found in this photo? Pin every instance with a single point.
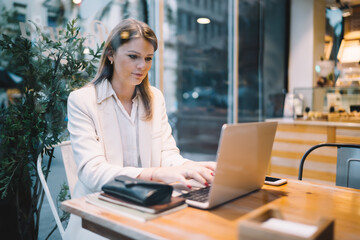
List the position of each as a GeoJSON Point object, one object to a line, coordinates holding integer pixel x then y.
{"type": "Point", "coordinates": [118, 123]}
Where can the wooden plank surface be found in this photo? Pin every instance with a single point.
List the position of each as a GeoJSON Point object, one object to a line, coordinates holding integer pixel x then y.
{"type": "Point", "coordinates": [294, 138]}
{"type": "Point", "coordinates": [297, 201]}
{"type": "Point", "coordinates": [292, 141]}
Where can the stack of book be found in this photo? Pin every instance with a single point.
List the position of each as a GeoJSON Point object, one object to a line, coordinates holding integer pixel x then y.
{"type": "Point", "coordinates": [134, 210]}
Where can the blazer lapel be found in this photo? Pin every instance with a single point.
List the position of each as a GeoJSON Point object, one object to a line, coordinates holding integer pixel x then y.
{"type": "Point", "coordinates": [111, 132]}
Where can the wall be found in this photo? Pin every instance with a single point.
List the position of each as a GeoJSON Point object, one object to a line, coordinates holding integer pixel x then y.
{"type": "Point", "coordinates": [307, 31]}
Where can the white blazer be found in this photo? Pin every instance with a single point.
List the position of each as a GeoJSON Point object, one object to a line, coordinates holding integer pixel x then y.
{"type": "Point", "coordinates": [96, 140]}
{"type": "Point", "coordinates": [96, 143]}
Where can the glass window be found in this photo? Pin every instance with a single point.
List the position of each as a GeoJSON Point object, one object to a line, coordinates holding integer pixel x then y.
{"type": "Point", "coordinates": [195, 75]}
{"type": "Point", "coordinates": [276, 54]}
{"type": "Point", "coordinates": [262, 59]}
{"type": "Point", "coordinates": [20, 11]}
{"type": "Point", "coordinates": [196, 82]}
{"type": "Point", "coordinates": [96, 19]}
{"type": "Point", "coordinates": [195, 58]}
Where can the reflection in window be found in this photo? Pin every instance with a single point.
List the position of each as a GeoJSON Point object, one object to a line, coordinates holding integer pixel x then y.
{"type": "Point", "coordinates": [20, 10]}
{"type": "Point", "coordinates": [196, 67]}
{"type": "Point", "coordinates": [195, 56]}
{"type": "Point", "coordinates": [262, 59]}
{"type": "Point", "coordinates": [195, 72]}
{"type": "Point", "coordinates": [250, 48]}
{"type": "Point", "coordinates": [99, 17]}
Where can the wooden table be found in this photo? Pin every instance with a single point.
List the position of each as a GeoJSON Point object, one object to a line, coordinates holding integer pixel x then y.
{"type": "Point", "coordinates": [298, 201]}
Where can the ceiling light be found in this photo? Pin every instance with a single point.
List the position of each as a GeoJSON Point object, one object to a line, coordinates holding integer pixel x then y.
{"type": "Point", "coordinates": [203, 20]}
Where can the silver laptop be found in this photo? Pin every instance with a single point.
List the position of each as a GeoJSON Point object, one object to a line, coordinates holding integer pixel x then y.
{"type": "Point", "coordinates": [242, 159]}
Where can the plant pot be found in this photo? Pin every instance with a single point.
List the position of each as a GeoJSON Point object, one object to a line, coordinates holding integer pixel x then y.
{"type": "Point", "coordinates": [8, 220]}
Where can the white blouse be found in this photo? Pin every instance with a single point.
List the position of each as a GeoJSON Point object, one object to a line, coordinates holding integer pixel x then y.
{"type": "Point", "coordinates": [129, 131]}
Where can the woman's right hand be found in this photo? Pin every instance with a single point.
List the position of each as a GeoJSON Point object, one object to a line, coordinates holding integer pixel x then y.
{"type": "Point", "coordinates": [201, 172]}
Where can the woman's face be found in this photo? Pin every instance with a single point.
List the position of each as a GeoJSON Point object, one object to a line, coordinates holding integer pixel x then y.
{"type": "Point", "coordinates": [132, 61]}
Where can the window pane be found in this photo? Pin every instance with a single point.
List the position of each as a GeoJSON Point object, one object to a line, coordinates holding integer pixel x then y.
{"type": "Point", "coordinates": [195, 72]}
{"type": "Point", "coordinates": [275, 61]}
{"type": "Point", "coordinates": [96, 19]}
{"type": "Point", "coordinates": [262, 59]}
{"type": "Point", "coordinates": [250, 46]}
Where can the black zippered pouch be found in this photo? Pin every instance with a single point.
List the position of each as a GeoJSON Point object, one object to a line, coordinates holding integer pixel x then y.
{"type": "Point", "coordinates": [143, 192]}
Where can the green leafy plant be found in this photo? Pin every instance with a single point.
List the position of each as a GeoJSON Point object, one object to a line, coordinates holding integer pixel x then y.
{"type": "Point", "coordinates": [50, 70]}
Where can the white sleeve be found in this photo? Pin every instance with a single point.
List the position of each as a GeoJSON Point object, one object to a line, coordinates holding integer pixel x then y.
{"type": "Point", "coordinates": [93, 168]}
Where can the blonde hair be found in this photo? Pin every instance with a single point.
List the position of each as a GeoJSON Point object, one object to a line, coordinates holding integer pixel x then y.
{"type": "Point", "coordinates": [124, 32]}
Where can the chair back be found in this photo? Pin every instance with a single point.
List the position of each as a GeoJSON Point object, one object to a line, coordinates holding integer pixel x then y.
{"type": "Point", "coordinates": [69, 164]}
{"type": "Point", "coordinates": [348, 167]}
{"type": "Point", "coordinates": [53, 208]}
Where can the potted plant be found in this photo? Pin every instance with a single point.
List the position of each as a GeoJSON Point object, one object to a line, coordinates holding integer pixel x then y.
{"type": "Point", "coordinates": [50, 70]}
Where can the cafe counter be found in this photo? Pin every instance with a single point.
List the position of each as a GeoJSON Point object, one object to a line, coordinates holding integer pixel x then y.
{"type": "Point", "coordinates": [294, 137]}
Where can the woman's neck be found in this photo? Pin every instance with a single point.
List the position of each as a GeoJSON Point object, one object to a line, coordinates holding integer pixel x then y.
{"type": "Point", "coordinates": [125, 93]}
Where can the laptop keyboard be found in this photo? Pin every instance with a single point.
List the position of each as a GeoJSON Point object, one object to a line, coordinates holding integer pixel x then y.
{"type": "Point", "coordinates": [199, 195]}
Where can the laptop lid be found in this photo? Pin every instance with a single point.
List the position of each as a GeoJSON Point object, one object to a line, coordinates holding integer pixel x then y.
{"type": "Point", "coordinates": [242, 159]}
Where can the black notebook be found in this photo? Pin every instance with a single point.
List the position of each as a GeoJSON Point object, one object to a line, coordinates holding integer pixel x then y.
{"type": "Point", "coordinates": [134, 211]}
{"type": "Point", "coordinates": [175, 201]}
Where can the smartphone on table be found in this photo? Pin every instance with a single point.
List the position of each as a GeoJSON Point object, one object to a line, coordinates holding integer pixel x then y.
{"type": "Point", "coordinates": [275, 181]}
